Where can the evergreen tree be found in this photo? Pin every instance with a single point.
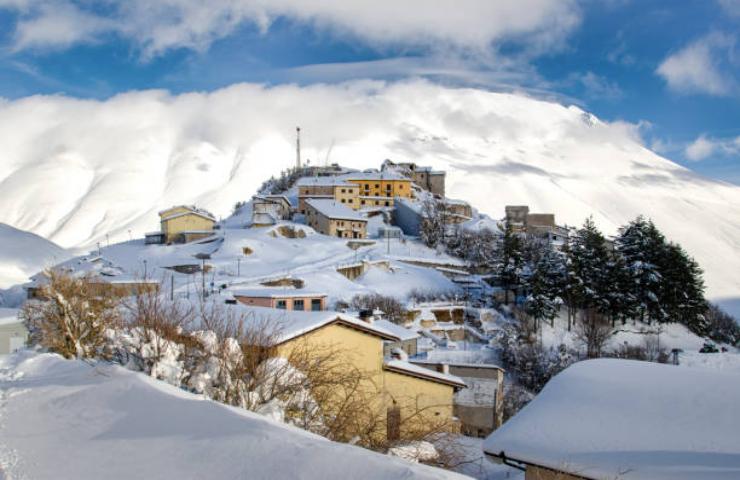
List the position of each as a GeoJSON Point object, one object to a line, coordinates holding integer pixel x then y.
{"type": "Point", "coordinates": [432, 224]}
{"type": "Point", "coordinates": [546, 285]}
{"type": "Point", "coordinates": [588, 268]}
{"type": "Point", "coordinates": [682, 289]}
{"type": "Point", "coordinates": [510, 262]}
{"type": "Point", "coordinates": [642, 247]}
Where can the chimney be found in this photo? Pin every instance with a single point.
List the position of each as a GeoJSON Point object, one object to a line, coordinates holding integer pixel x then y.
{"type": "Point", "coordinates": [366, 315]}
{"type": "Point", "coordinates": [443, 368]}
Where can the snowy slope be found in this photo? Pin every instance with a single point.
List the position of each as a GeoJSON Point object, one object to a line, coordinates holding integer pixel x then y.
{"type": "Point", "coordinates": [75, 170]}
{"type": "Point", "coordinates": [67, 419]}
{"type": "Point", "coordinates": [23, 254]}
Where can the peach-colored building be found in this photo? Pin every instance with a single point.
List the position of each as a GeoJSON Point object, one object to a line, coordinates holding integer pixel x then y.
{"type": "Point", "coordinates": [282, 298]}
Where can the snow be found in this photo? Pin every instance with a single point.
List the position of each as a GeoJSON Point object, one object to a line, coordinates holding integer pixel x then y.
{"type": "Point", "coordinates": [288, 324]}
{"type": "Point", "coordinates": [333, 209]}
{"type": "Point", "coordinates": [23, 254]}
{"type": "Point", "coordinates": [69, 419]}
{"type": "Point", "coordinates": [630, 420]}
{"type": "Point", "coordinates": [401, 332]}
{"type": "Point", "coordinates": [73, 175]}
{"type": "Point", "coordinates": [9, 316]}
{"type": "Point", "coordinates": [425, 372]}
{"type": "Point", "coordinates": [274, 292]}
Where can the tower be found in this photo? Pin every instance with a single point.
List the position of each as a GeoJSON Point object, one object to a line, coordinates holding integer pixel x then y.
{"type": "Point", "coordinates": [297, 148]}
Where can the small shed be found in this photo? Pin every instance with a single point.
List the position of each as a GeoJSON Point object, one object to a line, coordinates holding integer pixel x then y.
{"type": "Point", "coordinates": [13, 333]}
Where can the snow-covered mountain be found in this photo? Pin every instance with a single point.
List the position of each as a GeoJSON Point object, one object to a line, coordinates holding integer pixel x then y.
{"type": "Point", "coordinates": [76, 170]}
{"type": "Point", "coordinates": [22, 254]}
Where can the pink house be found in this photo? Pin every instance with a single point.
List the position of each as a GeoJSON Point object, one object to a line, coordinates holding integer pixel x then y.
{"type": "Point", "coordinates": [282, 298]}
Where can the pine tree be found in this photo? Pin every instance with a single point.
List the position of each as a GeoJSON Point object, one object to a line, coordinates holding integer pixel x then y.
{"type": "Point", "coordinates": [588, 268]}
{"type": "Point", "coordinates": [510, 262]}
{"type": "Point", "coordinates": [682, 289]}
{"type": "Point", "coordinates": [546, 285]}
{"type": "Point", "coordinates": [642, 246]}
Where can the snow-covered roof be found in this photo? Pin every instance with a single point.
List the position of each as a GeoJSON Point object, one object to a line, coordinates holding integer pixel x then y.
{"type": "Point", "coordinates": [330, 181]}
{"type": "Point", "coordinates": [401, 332]}
{"type": "Point", "coordinates": [275, 292]}
{"type": "Point", "coordinates": [386, 175]}
{"type": "Point", "coordinates": [190, 209]}
{"type": "Point", "coordinates": [608, 418]}
{"type": "Point", "coordinates": [406, 368]}
{"type": "Point", "coordinates": [333, 209]}
{"type": "Point", "coordinates": [289, 324]}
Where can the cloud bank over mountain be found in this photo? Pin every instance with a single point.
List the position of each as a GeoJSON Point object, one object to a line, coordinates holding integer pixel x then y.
{"type": "Point", "coordinates": [76, 170]}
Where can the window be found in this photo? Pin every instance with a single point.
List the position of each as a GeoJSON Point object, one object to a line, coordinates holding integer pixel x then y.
{"type": "Point", "coordinates": [344, 190]}
{"type": "Point", "coordinates": [387, 204]}
{"type": "Point", "coordinates": [362, 202]}
{"type": "Point", "coordinates": [299, 304]}
{"type": "Point", "coordinates": [339, 233]}
{"type": "Point", "coordinates": [367, 186]}
{"type": "Point", "coordinates": [377, 186]}
{"type": "Point", "coordinates": [349, 200]}
{"type": "Point", "coordinates": [387, 186]}
{"type": "Point", "coordinates": [400, 187]}
{"type": "Point", "coordinates": [343, 201]}
{"type": "Point", "coordinates": [281, 304]}
{"type": "Point", "coordinates": [316, 304]}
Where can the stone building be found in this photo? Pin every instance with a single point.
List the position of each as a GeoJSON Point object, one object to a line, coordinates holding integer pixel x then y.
{"type": "Point", "coordinates": [269, 209]}
{"type": "Point", "coordinates": [327, 188]}
{"type": "Point", "coordinates": [183, 224]}
{"type": "Point", "coordinates": [332, 218]}
{"type": "Point", "coordinates": [424, 177]}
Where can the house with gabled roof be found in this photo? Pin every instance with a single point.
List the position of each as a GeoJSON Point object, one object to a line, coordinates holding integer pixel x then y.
{"type": "Point", "coordinates": [183, 224]}
{"type": "Point", "coordinates": [402, 393]}
{"type": "Point", "coordinates": [335, 219]}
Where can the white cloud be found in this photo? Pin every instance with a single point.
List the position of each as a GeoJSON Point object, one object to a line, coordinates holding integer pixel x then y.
{"type": "Point", "coordinates": [157, 26]}
{"type": "Point", "coordinates": [731, 6]}
{"type": "Point", "coordinates": [704, 147]}
{"type": "Point", "coordinates": [596, 86]}
{"type": "Point", "coordinates": [701, 67]}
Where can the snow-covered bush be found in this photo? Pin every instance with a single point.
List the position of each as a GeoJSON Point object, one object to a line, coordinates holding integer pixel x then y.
{"type": "Point", "coordinates": [71, 316]}
{"type": "Point", "coordinates": [390, 306]}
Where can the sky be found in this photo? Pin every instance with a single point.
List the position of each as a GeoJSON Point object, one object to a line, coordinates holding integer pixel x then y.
{"type": "Point", "coordinates": [671, 68]}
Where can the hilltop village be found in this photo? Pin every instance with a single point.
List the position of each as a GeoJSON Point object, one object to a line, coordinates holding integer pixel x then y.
{"type": "Point", "coordinates": [389, 309]}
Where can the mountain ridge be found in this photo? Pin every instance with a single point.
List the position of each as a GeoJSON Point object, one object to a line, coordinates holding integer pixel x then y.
{"type": "Point", "coordinates": [110, 165]}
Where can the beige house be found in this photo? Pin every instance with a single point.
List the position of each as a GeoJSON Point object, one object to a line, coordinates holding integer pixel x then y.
{"type": "Point", "coordinates": [327, 188]}
{"type": "Point", "coordinates": [282, 298]}
{"type": "Point", "coordinates": [183, 224]}
{"type": "Point", "coordinates": [404, 395]}
{"type": "Point", "coordinates": [335, 219]}
{"type": "Point", "coordinates": [13, 333]}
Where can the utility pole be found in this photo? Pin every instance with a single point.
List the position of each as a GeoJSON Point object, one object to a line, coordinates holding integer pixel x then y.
{"type": "Point", "coordinates": [298, 148]}
{"type": "Point", "coordinates": [99, 249]}
{"type": "Point", "coordinates": [172, 286]}
{"type": "Point", "coordinates": [238, 267]}
{"type": "Point", "coordinates": [145, 270]}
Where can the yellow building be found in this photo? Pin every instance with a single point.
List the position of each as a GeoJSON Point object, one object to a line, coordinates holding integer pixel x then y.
{"type": "Point", "coordinates": [378, 189]}
{"type": "Point", "coordinates": [331, 218]}
{"type": "Point", "coordinates": [182, 224]}
{"type": "Point", "coordinates": [327, 188]}
{"type": "Point", "coordinates": [404, 396]}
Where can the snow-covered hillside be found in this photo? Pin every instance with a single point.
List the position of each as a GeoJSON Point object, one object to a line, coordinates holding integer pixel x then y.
{"type": "Point", "coordinates": [23, 254]}
{"type": "Point", "coordinates": [74, 171]}
{"type": "Point", "coordinates": [68, 419]}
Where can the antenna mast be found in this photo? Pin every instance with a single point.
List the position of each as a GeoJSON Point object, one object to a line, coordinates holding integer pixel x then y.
{"type": "Point", "coordinates": [298, 148]}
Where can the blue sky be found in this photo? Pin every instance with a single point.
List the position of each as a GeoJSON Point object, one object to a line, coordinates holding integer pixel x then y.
{"type": "Point", "coordinates": [672, 66]}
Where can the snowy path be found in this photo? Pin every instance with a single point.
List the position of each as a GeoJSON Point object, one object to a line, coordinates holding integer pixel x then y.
{"type": "Point", "coordinates": [9, 460]}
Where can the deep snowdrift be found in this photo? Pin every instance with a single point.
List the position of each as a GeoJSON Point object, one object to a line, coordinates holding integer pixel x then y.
{"type": "Point", "coordinates": [108, 166]}
{"type": "Point", "coordinates": [631, 420]}
{"type": "Point", "coordinates": [67, 419]}
{"type": "Point", "coordinates": [23, 254]}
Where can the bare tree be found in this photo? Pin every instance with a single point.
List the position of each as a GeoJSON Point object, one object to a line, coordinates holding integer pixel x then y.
{"type": "Point", "coordinates": [71, 316]}
{"type": "Point", "coordinates": [593, 331]}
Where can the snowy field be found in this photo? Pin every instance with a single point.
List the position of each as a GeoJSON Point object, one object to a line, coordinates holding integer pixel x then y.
{"type": "Point", "coordinates": [68, 419]}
